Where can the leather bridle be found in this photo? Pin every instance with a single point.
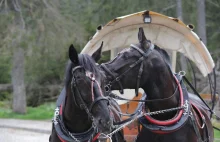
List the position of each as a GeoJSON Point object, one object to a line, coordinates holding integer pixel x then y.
{"type": "Point", "coordinates": [81, 102]}
{"type": "Point", "coordinates": [118, 78]}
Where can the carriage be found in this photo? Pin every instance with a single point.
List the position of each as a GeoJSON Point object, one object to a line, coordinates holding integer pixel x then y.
{"type": "Point", "coordinates": [168, 33]}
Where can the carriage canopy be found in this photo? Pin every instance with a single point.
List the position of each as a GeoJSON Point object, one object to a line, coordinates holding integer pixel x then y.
{"type": "Point", "coordinates": [166, 32]}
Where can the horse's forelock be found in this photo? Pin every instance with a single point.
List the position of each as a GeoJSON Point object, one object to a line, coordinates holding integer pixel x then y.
{"type": "Point", "coordinates": [89, 64]}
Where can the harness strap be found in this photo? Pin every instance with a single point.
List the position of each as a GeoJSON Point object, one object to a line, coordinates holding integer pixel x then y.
{"type": "Point", "coordinates": [112, 95]}
{"type": "Point", "coordinates": [193, 122]}
{"type": "Point", "coordinates": [106, 69]}
{"type": "Point", "coordinates": [133, 115]}
{"type": "Point", "coordinates": [177, 118]}
{"type": "Point", "coordinates": [97, 100]}
{"type": "Point", "coordinates": [117, 79]}
{"type": "Point", "coordinates": [194, 90]}
{"type": "Point", "coordinates": [145, 54]}
{"type": "Point", "coordinates": [206, 133]}
{"type": "Point", "coordinates": [138, 78]}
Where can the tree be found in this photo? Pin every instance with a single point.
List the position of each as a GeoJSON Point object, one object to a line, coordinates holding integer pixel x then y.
{"type": "Point", "coordinates": [19, 93]}
{"type": "Point", "coordinates": [38, 33]}
{"type": "Point", "coordinates": [179, 12]}
{"type": "Point", "coordinates": [201, 21]}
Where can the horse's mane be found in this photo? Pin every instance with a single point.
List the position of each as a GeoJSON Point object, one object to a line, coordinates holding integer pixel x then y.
{"type": "Point", "coordinates": [164, 54]}
{"type": "Point", "coordinates": [85, 61]}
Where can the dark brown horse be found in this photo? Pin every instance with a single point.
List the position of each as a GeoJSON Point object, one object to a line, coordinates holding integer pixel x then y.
{"type": "Point", "coordinates": [176, 118]}
{"type": "Point", "coordinates": [83, 111]}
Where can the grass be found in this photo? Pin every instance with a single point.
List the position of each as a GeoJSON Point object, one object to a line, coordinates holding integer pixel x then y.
{"type": "Point", "coordinates": [217, 135]}
{"type": "Point", "coordinates": [216, 132]}
{"type": "Point", "coordinates": [41, 112]}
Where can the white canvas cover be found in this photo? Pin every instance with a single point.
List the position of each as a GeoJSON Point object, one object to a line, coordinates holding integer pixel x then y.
{"type": "Point", "coordinates": [166, 32]}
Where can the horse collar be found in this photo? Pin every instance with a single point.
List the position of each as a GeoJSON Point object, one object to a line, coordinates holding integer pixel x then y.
{"type": "Point", "coordinates": [180, 119]}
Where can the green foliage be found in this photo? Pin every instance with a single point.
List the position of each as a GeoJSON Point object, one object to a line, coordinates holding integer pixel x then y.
{"type": "Point", "coordinates": [52, 25]}
{"type": "Point", "coordinates": [100, 12]}
{"type": "Point", "coordinates": [5, 95]}
{"type": "Point", "coordinates": [49, 28]}
{"type": "Point", "coordinates": [41, 112]}
{"type": "Point", "coordinates": [5, 68]}
{"type": "Point", "coordinates": [213, 28]}
{"type": "Point", "coordinates": [5, 77]}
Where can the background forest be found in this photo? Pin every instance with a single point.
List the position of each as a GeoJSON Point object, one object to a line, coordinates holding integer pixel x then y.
{"type": "Point", "coordinates": [35, 36]}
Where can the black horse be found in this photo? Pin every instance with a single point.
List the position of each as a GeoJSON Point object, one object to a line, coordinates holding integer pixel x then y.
{"type": "Point", "coordinates": [177, 118]}
{"type": "Point", "coordinates": [83, 111]}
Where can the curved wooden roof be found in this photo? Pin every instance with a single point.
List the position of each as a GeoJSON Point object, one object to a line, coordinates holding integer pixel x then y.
{"type": "Point", "coordinates": [166, 32]}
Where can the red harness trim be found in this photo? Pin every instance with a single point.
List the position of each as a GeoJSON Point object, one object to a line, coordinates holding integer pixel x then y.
{"type": "Point", "coordinates": [61, 109]}
{"type": "Point", "coordinates": [62, 140]}
{"type": "Point", "coordinates": [174, 120]}
{"type": "Point", "coordinates": [96, 137]}
{"type": "Point", "coordinates": [200, 114]}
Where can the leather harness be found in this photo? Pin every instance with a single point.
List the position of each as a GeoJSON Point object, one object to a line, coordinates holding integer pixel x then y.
{"type": "Point", "coordinates": [184, 117]}
{"type": "Point", "coordinates": [58, 123]}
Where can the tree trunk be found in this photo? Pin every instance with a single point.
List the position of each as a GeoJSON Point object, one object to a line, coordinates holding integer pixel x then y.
{"type": "Point", "coordinates": [179, 9]}
{"type": "Point", "coordinates": [183, 63]}
{"type": "Point", "coordinates": [19, 94]}
{"type": "Point", "coordinates": [201, 21]}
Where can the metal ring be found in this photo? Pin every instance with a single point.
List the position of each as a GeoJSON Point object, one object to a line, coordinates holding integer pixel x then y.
{"type": "Point", "coordinates": [108, 88]}
{"type": "Point", "coordinates": [117, 78]}
{"type": "Point", "coordinates": [182, 73]}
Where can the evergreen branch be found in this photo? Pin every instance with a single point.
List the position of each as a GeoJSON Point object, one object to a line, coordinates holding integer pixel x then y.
{"type": "Point", "coordinates": [213, 3]}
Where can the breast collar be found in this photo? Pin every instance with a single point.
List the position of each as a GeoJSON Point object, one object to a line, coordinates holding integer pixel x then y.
{"type": "Point", "coordinates": [164, 128]}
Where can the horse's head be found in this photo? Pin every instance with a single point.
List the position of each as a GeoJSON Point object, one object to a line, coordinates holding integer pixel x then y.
{"type": "Point", "coordinates": [87, 86]}
{"type": "Point", "coordinates": [134, 66]}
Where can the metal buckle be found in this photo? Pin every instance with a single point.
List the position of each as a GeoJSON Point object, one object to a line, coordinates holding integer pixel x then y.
{"type": "Point", "coordinates": [82, 106]}
{"type": "Point", "coordinates": [186, 107]}
{"type": "Point", "coordinates": [117, 79]}
{"type": "Point", "coordinates": [203, 120]}
{"type": "Point", "coordinates": [93, 124]}
{"type": "Point", "coordinates": [108, 88]}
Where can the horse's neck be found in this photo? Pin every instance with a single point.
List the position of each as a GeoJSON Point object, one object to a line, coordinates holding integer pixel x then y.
{"type": "Point", "coordinates": [161, 85]}
{"type": "Point", "coordinates": [75, 119]}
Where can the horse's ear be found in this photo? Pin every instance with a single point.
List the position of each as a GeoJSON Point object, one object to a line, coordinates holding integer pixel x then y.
{"type": "Point", "coordinates": [97, 54]}
{"type": "Point", "coordinates": [141, 36]}
{"type": "Point", "coordinates": [73, 55]}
